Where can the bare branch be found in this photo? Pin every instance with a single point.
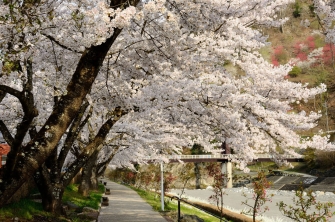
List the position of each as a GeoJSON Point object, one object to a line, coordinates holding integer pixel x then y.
{"type": "Point", "coordinates": [94, 146]}
{"type": "Point", "coordinates": [60, 44]}
{"type": "Point", "coordinates": [6, 134]}
{"type": "Point", "coordinates": [74, 130]}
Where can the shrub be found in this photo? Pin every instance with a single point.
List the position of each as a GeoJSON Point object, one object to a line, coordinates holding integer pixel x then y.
{"type": "Point", "coordinates": [325, 159]}
{"type": "Point", "coordinates": [260, 196]}
{"type": "Point", "coordinates": [301, 209]}
{"type": "Point", "coordinates": [319, 158]}
{"type": "Point", "coordinates": [312, 10]}
{"type": "Point", "coordinates": [295, 71]}
{"type": "Point", "coordinates": [322, 76]}
{"type": "Point", "coordinates": [309, 157]}
{"type": "Point", "coordinates": [214, 170]}
{"type": "Point", "coordinates": [297, 10]}
{"type": "Point", "coordinates": [280, 55]}
{"type": "Point", "coordinates": [328, 53]}
{"type": "Point", "coordinates": [319, 41]}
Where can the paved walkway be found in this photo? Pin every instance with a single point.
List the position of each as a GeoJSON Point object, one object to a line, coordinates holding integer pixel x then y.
{"type": "Point", "coordinates": [125, 205]}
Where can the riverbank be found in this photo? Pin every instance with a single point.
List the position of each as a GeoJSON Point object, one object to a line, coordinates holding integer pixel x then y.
{"type": "Point", "coordinates": [234, 197]}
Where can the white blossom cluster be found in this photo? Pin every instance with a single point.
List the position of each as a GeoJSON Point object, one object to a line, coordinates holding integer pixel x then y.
{"type": "Point", "coordinates": [167, 68]}
{"type": "Point", "coordinates": [326, 12]}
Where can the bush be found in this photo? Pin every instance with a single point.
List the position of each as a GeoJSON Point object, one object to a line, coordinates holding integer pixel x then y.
{"type": "Point", "coordinates": [309, 157]}
{"type": "Point", "coordinates": [319, 158]}
{"type": "Point", "coordinates": [280, 56]}
{"type": "Point", "coordinates": [295, 71]}
{"type": "Point", "coordinates": [312, 10]}
{"type": "Point", "coordinates": [297, 10]}
{"type": "Point", "coordinates": [306, 208]}
{"type": "Point", "coordinates": [325, 159]}
{"type": "Point", "coordinates": [260, 196]}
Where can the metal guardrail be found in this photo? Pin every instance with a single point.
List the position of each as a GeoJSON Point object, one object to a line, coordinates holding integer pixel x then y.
{"type": "Point", "coordinates": [220, 156]}
{"type": "Point", "coordinates": [193, 205]}
{"type": "Point", "coordinates": [210, 156]}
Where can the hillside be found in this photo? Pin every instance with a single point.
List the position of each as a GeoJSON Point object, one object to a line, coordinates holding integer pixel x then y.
{"type": "Point", "coordinates": [301, 42]}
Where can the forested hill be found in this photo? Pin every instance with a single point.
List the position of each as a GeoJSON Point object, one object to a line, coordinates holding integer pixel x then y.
{"type": "Point", "coordinates": [301, 42]}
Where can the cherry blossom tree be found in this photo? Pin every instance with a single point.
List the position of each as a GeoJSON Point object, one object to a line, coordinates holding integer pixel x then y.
{"type": "Point", "coordinates": [153, 71]}
{"type": "Point", "coordinates": [31, 68]}
{"type": "Point", "coordinates": [325, 12]}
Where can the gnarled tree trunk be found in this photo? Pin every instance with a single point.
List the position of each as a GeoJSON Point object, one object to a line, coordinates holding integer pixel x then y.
{"type": "Point", "coordinates": [52, 198]}
{"type": "Point", "coordinates": [51, 189]}
{"type": "Point", "coordinates": [88, 176]}
{"type": "Point", "coordinates": [25, 159]}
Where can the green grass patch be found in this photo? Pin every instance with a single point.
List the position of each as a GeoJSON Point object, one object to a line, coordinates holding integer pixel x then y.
{"type": "Point", "coordinates": [25, 209]}
{"type": "Point", "coordinates": [154, 200]}
{"type": "Point", "coordinates": [93, 200]}
{"type": "Point", "coordinates": [186, 209]}
{"type": "Point", "coordinates": [266, 53]}
{"type": "Point", "coordinates": [299, 167]}
{"type": "Point", "coordinates": [319, 41]}
{"type": "Point", "coordinates": [255, 167]}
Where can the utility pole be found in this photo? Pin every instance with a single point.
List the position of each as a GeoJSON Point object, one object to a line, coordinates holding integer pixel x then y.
{"type": "Point", "coordinates": [162, 186]}
{"type": "Point", "coordinates": [327, 124]}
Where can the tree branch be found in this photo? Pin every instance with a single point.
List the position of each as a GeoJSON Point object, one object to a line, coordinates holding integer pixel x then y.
{"type": "Point", "coordinates": [39, 148]}
{"type": "Point", "coordinates": [60, 44]}
{"type": "Point", "coordinates": [94, 146]}
{"type": "Point", "coordinates": [74, 130]}
{"type": "Point", "coordinates": [6, 89]}
{"type": "Point", "coordinates": [6, 134]}
{"type": "Point", "coordinates": [101, 167]}
{"type": "Point", "coordinates": [2, 95]}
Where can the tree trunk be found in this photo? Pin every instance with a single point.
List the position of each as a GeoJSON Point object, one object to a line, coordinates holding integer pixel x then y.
{"type": "Point", "coordinates": [40, 147]}
{"type": "Point", "coordinates": [94, 178]}
{"type": "Point", "coordinates": [51, 193]}
{"type": "Point", "coordinates": [84, 185]}
{"type": "Point", "coordinates": [88, 177]}
{"type": "Point", "coordinates": [52, 199]}
{"type": "Point", "coordinates": [197, 176]}
{"type": "Point", "coordinates": [51, 190]}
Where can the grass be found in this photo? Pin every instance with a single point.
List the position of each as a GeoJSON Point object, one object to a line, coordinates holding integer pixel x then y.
{"type": "Point", "coordinates": [266, 52]}
{"type": "Point", "coordinates": [299, 167]}
{"type": "Point", "coordinates": [154, 200]}
{"type": "Point", "coordinates": [93, 200]}
{"type": "Point", "coordinates": [262, 165]}
{"type": "Point", "coordinates": [26, 209]}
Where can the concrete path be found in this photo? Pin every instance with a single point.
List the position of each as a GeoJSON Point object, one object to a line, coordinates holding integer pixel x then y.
{"type": "Point", "coordinates": [125, 205]}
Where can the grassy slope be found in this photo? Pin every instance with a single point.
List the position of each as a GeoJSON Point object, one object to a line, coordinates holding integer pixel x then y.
{"type": "Point", "coordinates": [26, 209]}
{"type": "Point", "coordinates": [154, 200]}
{"type": "Point", "coordinates": [294, 33]}
{"type": "Point", "coordinates": [93, 200]}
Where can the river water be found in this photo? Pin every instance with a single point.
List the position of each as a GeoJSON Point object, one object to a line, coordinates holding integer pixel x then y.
{"type": "Point", "coordinates": [234, 198]}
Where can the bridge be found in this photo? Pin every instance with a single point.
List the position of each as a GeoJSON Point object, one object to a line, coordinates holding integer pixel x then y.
{"type": "Point", "coordinates": [225, 159]}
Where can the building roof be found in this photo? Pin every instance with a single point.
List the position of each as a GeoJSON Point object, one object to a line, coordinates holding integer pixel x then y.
{"type": "Point", "coordinates": [4, 149]}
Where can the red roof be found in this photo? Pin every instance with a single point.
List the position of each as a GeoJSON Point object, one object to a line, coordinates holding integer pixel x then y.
{"type": "Point", "coordinates": [4, 149]}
